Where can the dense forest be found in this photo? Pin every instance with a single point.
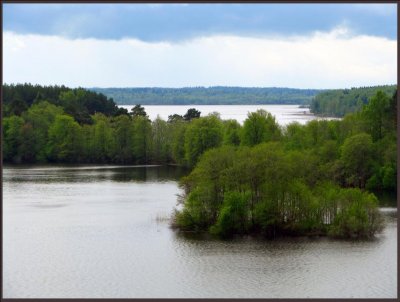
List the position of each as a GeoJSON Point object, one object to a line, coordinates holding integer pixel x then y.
{"type": "Point", "coordinates": [257, 177]}
{"type": "Point", "coordinates": [311, 179]}
{"type": "Point", "coordinates": [339, 102]}
{"type": "Point", "coordinates": [208, 96]}
{"type": "Point", "coordinates": [79, 103]}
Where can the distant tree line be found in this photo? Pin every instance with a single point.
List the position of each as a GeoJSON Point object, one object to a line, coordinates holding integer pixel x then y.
{"type": "Point", "coordinates": [208, 96]}
{"type": "Point", "coordinates": [339, 102]}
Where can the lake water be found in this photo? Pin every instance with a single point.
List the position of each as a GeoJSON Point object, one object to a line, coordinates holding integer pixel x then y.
{"type": "Point", "coordinates": [103, 232]}
{"type": "Point", "coordinates": [284, 114]}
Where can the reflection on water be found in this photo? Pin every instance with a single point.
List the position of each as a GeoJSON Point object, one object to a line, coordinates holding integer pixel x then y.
{"type": "Point", "coordinates": [94, 173]}
{"type": "Point", "coordinates": [102, 231]}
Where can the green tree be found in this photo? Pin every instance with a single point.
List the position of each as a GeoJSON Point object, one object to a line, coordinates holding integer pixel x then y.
{"type": "Point", "coordinates": [260, 126]}
{"type": "Point", "coordinates": [177, 132]}
{"type": "Point", "coordinates": [192, 113]}
{"type": "Point", "coordinates": [12, 130]}
{"type": "Point", "coordinates": [72, 103]}
{"type": "Point", "coordinates": [123, 129]}
{"type": "Point", "coordinates": [202, 134]}
{"type": "Point", "coordinates": [138, 110]}
{"type": "Point", "coordinates": [231, 132]}
{"type": "Point", "coordinates": [161, 143]}
{"type": "Point", "coordinates": [358, 215]}
{"type": "Point", "coordinates": [376, 113]}
{"type": "Point", "coordinates": [357, 156]}
{"type": "Point", "coordinates": [174, 118]}
{"type": "Point", "coordinates": [103, 139]}
{"type": "Point", "coordinates": [27, 147]}
{"type": "Point", "coordinates": [64, 144]}
{"type": "Point", "coordinates": [141, 146]}
{"type": "Point", "coordinates": [232, 218]}
{"type": "Point", "coordinates": [41, 115]}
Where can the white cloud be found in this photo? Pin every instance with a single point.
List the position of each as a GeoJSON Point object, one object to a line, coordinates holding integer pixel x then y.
{"type": "Point", "coordinates": [322, 60]}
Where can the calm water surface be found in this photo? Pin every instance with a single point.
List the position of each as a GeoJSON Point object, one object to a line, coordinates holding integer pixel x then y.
{"type": "Point", "coordinates": [102, 231]}
{"type": "Point", "coordinates": [284, 114]}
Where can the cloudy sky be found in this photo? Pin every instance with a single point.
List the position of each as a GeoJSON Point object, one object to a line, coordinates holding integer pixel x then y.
{"type": "Point", "coordinates": [181, 45]}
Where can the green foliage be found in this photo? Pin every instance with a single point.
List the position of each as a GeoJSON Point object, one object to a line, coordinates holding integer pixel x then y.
{"type": "Point", "coordinates": [357, 157]}
{"type": "Point", "coordinates": [260, 157]}
{"type": "Point", "coordinates": [232, 131]}
{"type": "Point", "coordinates": [377, 113]}
{"type": "Point", "coordinates": [65, 140]}
{"type": "Point", "coordinates": [141, 146]}
{"type": "Point", "coordinates": [260, 126]}
{"type": "Point", "coordinates": [245, 179]}
{"type": "Point", "coordinates": [202, 134]}
{"type": "Point", "coordinates": [358, 215]}
{"type": "Point", "coordinates": [191, 114]}
{"type": "Point", "coordinates": [123, 133]}
{"type": "Point", "coordinates": [12, 128]}
{"type": "Point", "coordinates": [40, 116]}
{"type": "Point", "coordinates": [103, 139]}
{"type": "Point", "coordinates": [241, 190]}
{"type": "Point", "coordinates": [232, 218]}
{"type": "Point", "coordinates": [79, 102]}
{"type": "Point", "coordinates": [174, 118]}
{"type": "Point", "coordinates": [138, 110]}
{"type": "Point", "coordinates": [339, 102]}
{"type": "Point", "coordinates": [208, 96]}
{"type": "Point", "coordinates": [160, 141]}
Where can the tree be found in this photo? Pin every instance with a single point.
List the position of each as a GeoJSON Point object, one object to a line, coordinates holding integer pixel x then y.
{"type": "Point", "coordinates": [12, 129]}
{"type": "Point", "coordinates": [161, 144]}
{"type": "Point", "coordinates": [177, 132]}
{"type": "Point", "coordinates": [65, 140]}
{"type": "Point", "coordinates": [27, 148]}
{"type": "Point", "coordinates": [174, 118]}
{"type": "Point", "coordinates": [141, 146]}
{"type": "Point", "coordinates": [357, 157]}
{"type": "Point", "coordinates": [202, 134]}
{"type": "Point", "coordinates": [192, 113]}
{"type": "Point", "coordinates": [138, 110]}
{"type": "Point", "coordinates": [40, 116]}
{"type": "Point", "coordinates": [260, 126]}
{"type": "Point", "coordinates": [72, 103]}
{"type": "Point", "coordinates": [232, 132]}
{"type": "Point", "coordinates": [103, 139]}
{"type": "Point", "coordinates": [232, 218]}
{"type": "Point", "coordinates": [17, 105]}
{"type": "Point", "coordinates": [377, 113]}
{"type": "Point", "coordinates": [123, 129]}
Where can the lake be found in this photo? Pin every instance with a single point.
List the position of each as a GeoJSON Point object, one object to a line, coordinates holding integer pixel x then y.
{"type": "Point", "coordinates": [284, 114]}
{"type": "Point", "coordinates": [103, 232]}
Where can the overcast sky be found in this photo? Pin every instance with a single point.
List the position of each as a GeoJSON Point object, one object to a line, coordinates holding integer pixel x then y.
{"type": "Point", "coordinates": [180, 45]}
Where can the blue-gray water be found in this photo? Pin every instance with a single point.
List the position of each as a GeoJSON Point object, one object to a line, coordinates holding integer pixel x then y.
{"type": "Point", "coordinates": [102, 231]}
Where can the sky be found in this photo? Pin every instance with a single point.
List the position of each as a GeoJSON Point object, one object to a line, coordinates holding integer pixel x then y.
{"type": "Point", "coordinates": [184, 45]}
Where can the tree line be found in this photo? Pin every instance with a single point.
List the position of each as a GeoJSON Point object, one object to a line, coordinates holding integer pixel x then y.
{"type": "Point", "coordinates": [45, 132]}
{"type": "Point", "coordinates": [79, 103]}
{"type": "Point", "coordinates": [218, 95]}
{"type": "Point", "coordinates": [339, 102]}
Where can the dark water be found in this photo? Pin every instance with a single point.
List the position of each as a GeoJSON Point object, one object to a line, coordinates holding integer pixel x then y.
{"type": "Point", "coordinates": [102, 231]}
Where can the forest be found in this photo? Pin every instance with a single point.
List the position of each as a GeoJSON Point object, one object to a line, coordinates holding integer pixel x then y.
{"type": "Point", "coordinates": [218, 95]}
{"type": "Point", "coordinates": [339, 102]}
{"type": "Point", "coordinates": [258, 177]}
{"type": "Point", "coordinates": [311, 179]}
